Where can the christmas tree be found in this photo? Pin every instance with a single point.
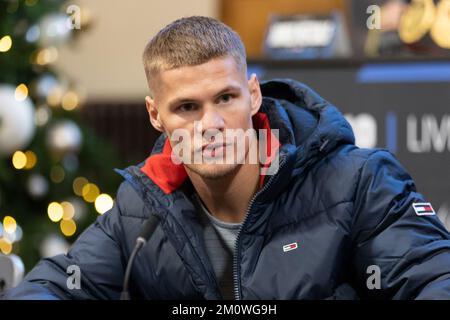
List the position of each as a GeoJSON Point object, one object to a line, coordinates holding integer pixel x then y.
{"type": "Point", "coordinates": [55, 174]}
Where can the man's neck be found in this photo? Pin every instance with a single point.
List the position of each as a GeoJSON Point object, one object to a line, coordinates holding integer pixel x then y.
{"type": "Point", "coordinates": [227, 198]}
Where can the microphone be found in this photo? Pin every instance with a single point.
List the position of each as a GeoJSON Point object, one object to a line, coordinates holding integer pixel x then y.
{"type": "Point", "coordinates": [146, 231]}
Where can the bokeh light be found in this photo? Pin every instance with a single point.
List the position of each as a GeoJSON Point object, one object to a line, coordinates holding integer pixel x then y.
{"type": "Point", "coordinates": [68, 210]}
{"type": "Point", "coordinates": [78, 184]}
{"type": "Point", "coordinates": [9, 224]}
{"type": "Point", "coordinates": [5, 246]}
{"type": "Point", "coordinates": [90, 192]}
{"type": "Point", "coordinates": [19, 160]}
{"type": "Point", "coordinates": [55, 211]}
{"type": "Point", "coordinates": [69, 101]}
{"type": "Point", "coordinates": [21, 92]}
{"type": "Point", "coordinates": [68, 227]}
{"type": "Point", "coordinates": [5, 43]}
{"type": "Point", "coordinates": [57, 174]}
{"type": "Point", "coordinates": [31, 159]}
{"type": "Point", "coordinates": [103, 203]}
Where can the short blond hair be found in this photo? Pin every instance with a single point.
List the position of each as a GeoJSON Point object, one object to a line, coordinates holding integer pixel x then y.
{"type": "Point", "coordinates": [191, 41]}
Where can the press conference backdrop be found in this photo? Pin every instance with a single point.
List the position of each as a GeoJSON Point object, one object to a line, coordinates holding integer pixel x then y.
{"type": "Point", "coordinates": [403, 106]}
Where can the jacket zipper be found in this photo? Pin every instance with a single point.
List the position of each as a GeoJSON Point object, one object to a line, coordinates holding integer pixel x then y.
{"type": "Point", "coordinates": [236, 280]}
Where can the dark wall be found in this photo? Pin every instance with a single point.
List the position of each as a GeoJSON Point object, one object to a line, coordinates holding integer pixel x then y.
{"type": "Point", "coordinates": [125, 125]}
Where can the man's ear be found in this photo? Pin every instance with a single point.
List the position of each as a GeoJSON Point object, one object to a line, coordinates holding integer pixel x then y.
{"type": "Point", "coordinates": [255, 93]}
{"type": "Point", "coordinates": [153, 114]}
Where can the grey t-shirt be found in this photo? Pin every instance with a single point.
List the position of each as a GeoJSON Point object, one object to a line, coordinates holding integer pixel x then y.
{"type": "Point", "coordinates": [220, 238]}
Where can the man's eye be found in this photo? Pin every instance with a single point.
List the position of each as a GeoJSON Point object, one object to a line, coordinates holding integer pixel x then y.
{"type": "Point", "coordinates": [225, 98]}
{"type": "Point", "coordinates": [186, 107]}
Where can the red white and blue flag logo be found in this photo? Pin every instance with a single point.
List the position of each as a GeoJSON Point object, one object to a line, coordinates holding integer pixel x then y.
{"type": "Point", "coordinates": [423, 209]}
{"type": "Point", "coordinates": [290, 246]}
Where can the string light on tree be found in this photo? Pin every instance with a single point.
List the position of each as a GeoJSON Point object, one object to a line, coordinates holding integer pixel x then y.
{"type": "Point", "coordinates": [21, 92]}
{"type": "Point", "coordinates": [55, 211]}
{"type": "Point", "coordinates": [70, 101]}
{"type": "Point", "coordinates": [10, 232]}
{"type": "Point", "coordinates": [44, 56]}
{"type": "Point", "coordinates": [31, 159]}
{"type": "Point", "coordinates": [9, 224]}
{"type": "Point", "coordinates": [5, 246]}
{"type": "Point", "coordinates": [19, 160]}
{"type": "Point", "coordinates": [103, 203]}
{"type": "Point", "coordinates": [68, 227]}
{"type": "Point", "coordinates": [78, 185]}
{"type": "Point", "coordinates": [55, 96]}
{"type": "Point", "coordinates": [5, 43]}
{"type": "Point", "coordinates": [90, 192]}
{"type": "Point", "coordinates": [68, 210]}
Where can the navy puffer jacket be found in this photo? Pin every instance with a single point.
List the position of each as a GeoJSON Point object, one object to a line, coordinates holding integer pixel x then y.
{"type": "Point", "coordinates": [348, 210]}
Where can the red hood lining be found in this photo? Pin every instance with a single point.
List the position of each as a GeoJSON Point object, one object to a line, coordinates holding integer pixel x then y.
{"type": "Point", "coordinates": [170, 176]}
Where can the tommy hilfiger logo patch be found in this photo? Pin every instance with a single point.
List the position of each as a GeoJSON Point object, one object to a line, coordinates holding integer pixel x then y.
{"type": "Point", "coordinates": [423, 209]}
{"type": "Point", "coordinates": [290, 246]}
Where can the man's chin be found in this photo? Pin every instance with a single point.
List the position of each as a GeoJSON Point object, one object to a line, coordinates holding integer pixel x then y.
{"type": "Point", "coordinates": [213, 171]}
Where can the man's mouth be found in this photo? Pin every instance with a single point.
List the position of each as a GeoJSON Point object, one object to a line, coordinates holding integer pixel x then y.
{"type": "Point", "coordinates": [213, 149]}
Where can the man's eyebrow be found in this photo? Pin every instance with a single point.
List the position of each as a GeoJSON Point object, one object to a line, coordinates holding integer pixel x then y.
{"type": "Point", "coordinates": [178, 101]}
{"type": "Point", "coordinates": [228, 89]}
{"type": "Point", "coordinates": [182, 100]}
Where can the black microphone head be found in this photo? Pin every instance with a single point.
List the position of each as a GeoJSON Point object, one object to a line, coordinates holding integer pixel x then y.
{"type": "Point", "coordinates": [149, 226]}
{"type": "Point", "coordinates": [146, 231]}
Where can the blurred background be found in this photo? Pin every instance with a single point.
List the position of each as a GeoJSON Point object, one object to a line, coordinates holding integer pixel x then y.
{"type": "Point", "coordinates": [72, 91]}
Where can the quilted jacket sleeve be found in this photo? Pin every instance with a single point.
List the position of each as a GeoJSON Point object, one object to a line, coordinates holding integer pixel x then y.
{"type": "Point", "coordinates": [409, 251]}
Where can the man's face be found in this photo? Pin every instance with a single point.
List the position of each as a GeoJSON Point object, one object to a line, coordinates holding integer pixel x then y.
{"type": "Point", "coordinates": [205, 99]}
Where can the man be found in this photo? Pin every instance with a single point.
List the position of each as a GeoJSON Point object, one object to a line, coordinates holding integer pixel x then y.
{"type": "Point", "coordinates": [316, 218]}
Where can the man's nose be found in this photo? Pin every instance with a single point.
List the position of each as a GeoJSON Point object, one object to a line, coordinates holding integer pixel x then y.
{"type": "Point", "coordinates": [212, 119]}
